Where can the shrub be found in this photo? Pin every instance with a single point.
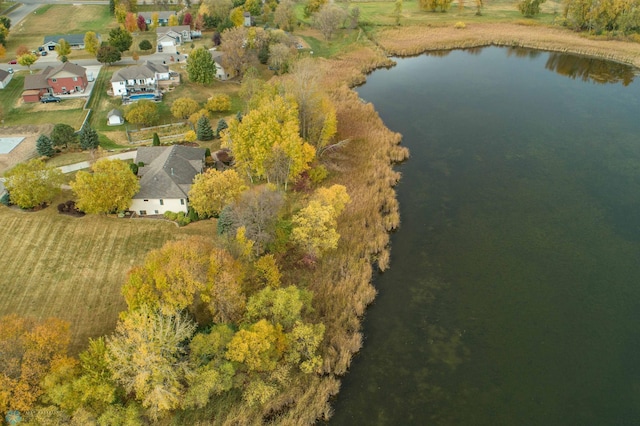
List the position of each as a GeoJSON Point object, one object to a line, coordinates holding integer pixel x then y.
{"type": "Point", "coordinates": [207, 153]}
{"type": "Point", "coordinates": [134, 168]}
{"type": "Point", "coordinates": [190, 136]}
{"type": "Point", "coordinates": [156, 140]}
{"type": "Point", "coordinates": [318, 174]}
{"type": "Point", "coordinates": [460, 25]}
{"type": "Point", "coordinates": [145, 45]}
{"type": "Point", "coordinates": [217, 103]}
{"type": "Point", "coordinates": [5, 200]}
{"type": "Point", "coordinates": [170, 215]}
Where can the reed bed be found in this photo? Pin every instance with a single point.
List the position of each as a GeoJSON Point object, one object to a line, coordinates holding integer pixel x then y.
{"type": "Point", "coordinates": [407, 41]}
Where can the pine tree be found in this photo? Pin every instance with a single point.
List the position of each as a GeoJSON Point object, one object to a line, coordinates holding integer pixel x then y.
{"type": "Point", "coordinates": [112, 7]}
{"type": "Point", "coordinates": [204, 130]}
{"type": "Point", "coordinates": [221, 126]}
{"type": "Point", "coordinates": [239, 116]}
{"type": "Point", "coordinates": [88, 137]}
{"type": "Point", "coordinates": [44, 146]}
{"type": "Point", "coordinates": [156, 140]}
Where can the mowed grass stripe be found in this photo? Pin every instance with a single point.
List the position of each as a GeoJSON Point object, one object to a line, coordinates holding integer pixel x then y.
{"type": "Point", "coordinates": [72, 268]}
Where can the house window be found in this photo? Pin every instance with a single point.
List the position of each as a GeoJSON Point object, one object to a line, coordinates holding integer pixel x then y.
{"type": "Point", "coordinates": [162, 202]}
{"type": "Point", "coordinates": [145, 201]}
{"type": "Point", "coordinates": [143, 212]}
{"type": "Point", "coordinates": [53, 80]}
{"type": "Point", "coordinates": [182, 201]}
{"type": "Point", "coordinates": [155, 212]}
{"type": "Point", "coordinates": [75, 78]}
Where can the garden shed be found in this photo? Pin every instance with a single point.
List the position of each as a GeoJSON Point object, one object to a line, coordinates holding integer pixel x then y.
{"type": "Point", "coordinates": [115, 118]}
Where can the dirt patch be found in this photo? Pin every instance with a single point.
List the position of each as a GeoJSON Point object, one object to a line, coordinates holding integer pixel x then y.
{"type": "Point", "coordinates": [415, 40]}
{"type": "Point", "coordinates": [26, 149]}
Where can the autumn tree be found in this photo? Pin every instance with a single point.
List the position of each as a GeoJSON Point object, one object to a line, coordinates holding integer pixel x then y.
{"type": "Point", "coordinates": [397, 10]}
{"type": "Point", "coordinates": [141, 23]}
{"type": "Point", "coordinates": [3, 51]}
{"type": "Point", "coordinates": [200, 66]}
{"type": "Point", "coordinates": [279, 56]}
{"type": "Point", "coordinates": [157, 378]}
{"type": "Point", "coordinates": [316, 112]}
{"type": "Point", "coordinates": [212, 190]}
{"type": "Point", "coordinates": [173, 20]}
{"type": "Point", "coordinates": [33, 183]}
{"type": "Point", "coordinates": [62, 135]}
{"type": "Point", "coordinates": [22, 49]}
{"type": "Point", "coordinates": [89, 138]}
{"type": "Point", "coordinates": [109, 188]}
{"type": "Point", "coordinates": [108, 55]}
{"type": "Point", "coordinates": [285, 16]}
{"type": "Point", "coordinates": [282, 306]}
{"type": "Point", "coordinates": [130, 22]}
{"type": "Point", "coordinates": [217, 103]}
{"type": "Point", "coordinates": [44, 146]}
{"type": "Point", "coordinates": [238, 55]}
{"type": "Point", "coordinates": [530, 8]}
{"type": "Point", "coordinates": [63, 48]}
{"type": "Point", "coordinates": [27, 60]}
{"type": "Point", "coordinates": [120, 38]}
{"type": "Point", "coordinates": [142, 112]}
{"type": "Point", "coordinates": [91, 43]}
{"type": "Point", "coordinates": [184, 107]}
{"type": "Point", "coordinates": [154, 20]}
{"type": "Point", "coordinates": [313, 6]}
{"type": "Point", "coordinates": [433, 5]}
{"type": "Point", "coordinates": [267, 144]}
{"type": "Point", "coordinates": [328, 19]}
{"type": "Point", "coordinates": [314, 226]}
{"type": "Point", "coordinates": [28, 349]}
{"type": "Point", "coordinates": [187, 19]}
{"type": "Point", "coordinates": [257, 211]}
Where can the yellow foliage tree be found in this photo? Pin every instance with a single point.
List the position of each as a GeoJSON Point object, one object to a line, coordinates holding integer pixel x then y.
{"type": "Point", "coordinates": [184, 107]}
{"type": "Point", "coordinates": [173, 20]}
{"type": "Point", "coordinates": [154, 20]}
{"type": "Point", "coordinates": [314, 227]}
{"type": "Point", "coordinates": [212, 190]}
{"type": "Point", "coordinates": [258, 347]}
{"type": "Point", "coordinates": [33, 183]}
{"type": "Point", "coordinates": [221, 102]}
{"type": "Point", "coordinates": [91, 42]}
{"type": "Point", "coordinates": [267, 144]}
{"type": "Point", "coordinates": [108, 189]}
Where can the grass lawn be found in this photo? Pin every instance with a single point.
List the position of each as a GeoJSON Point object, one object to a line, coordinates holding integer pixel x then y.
{"type": "Point", "coordinates": [72, 268]}
{"type": "Point", "coordinates": [60, 19]}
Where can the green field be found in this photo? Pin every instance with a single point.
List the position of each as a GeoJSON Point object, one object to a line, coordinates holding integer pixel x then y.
{"type": "Point", "coordinates": [72, 268]}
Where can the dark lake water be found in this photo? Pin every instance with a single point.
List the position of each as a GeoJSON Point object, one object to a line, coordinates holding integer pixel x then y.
{"type": "Point", "coordinates": [514, 291]}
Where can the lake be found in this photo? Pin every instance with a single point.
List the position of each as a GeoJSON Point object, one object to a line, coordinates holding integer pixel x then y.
{"type": "Point", "coordinates": [513, 296]}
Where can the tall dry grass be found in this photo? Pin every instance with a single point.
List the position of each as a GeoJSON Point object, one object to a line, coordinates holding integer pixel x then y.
{"type": "Point", "coordinates": [406, 41]}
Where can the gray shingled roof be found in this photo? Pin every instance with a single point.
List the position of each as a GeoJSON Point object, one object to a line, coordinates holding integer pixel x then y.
{"type": "Point", "coordinates": [70, 38]}
{"type": "Point", "coordinates": [68, 67]}
{"type": "Point", "coordinates": [3, 74]}
{"type": "Point", "coordinates": [168, 171]}
{"type": "Point", "coordinates": [217, 56]}
{"type": "Point", "coordinates": [114, 112]}
{"type": "Point", "coordinates": [138, 72]}
{"type": "Point", "coordinates": [177, 28]}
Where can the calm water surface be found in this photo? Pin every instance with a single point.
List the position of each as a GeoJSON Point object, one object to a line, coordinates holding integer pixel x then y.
{"type": "Point", "coordinates": [514, 291]}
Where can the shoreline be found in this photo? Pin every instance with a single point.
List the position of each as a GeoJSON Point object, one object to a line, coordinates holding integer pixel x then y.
{"type": "Point", "coordinates": [342, 75]}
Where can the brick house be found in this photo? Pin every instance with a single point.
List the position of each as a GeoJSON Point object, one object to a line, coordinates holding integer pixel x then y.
{"type": "Point", "coordinates": [60, 80]}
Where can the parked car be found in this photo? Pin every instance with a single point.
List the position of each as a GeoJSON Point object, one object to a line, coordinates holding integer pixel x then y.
{"type": "Point", "coordinates": [13, 61]}
{"type": "Point", "coordinates": [43, 53]}
{"type": "Point", "coordinates": [10, 70]}
{"type": "Point", "coordinates": [47, 99]}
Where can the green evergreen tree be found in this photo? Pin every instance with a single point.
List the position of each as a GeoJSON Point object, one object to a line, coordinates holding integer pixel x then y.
{"type": "Point", "coordinates": [204, 130]}
{"type": "Point", "coordinates": [156, 140]}
{"type": "Point", "coordinates": [222, 124]}
{"type": "Point", "coordinates": [239, 116]}
{"type": "Point", "coordinates": [63, 135]}
{"type": "Point", "coordinates": [44, 146]}
{"type": "Point", "coordinates": [112, 7]}
{"type": "Point", "coordinates": [88, 137]}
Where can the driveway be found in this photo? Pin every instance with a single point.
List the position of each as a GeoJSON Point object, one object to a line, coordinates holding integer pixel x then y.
{"type": "Point", "coordinates": [129, 155]}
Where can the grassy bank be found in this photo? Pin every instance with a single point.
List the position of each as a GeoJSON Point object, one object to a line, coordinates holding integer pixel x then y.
{"type": "Point", "coordinates": [72, 268]}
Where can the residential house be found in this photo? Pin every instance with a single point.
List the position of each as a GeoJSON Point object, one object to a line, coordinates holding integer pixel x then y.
{"type": "Point", "coordinates": [166, 178]}
{"type": "Point", "coordinates": [221, 73]}
{"type": "Point", "coordinates": [139, 78]}
{"type": "Point", "coordinates": [5, 78]}
{"type": "Point", "coordinates": [76, 41]}
{"type": "Point", "coordinates": [115, 118]}
{"type": "Point", "coordinates": [62, 79]}
{"type": "Point", "coordinates": [171, 37]}
{"type": "Point", "coordinates": [163, 17]}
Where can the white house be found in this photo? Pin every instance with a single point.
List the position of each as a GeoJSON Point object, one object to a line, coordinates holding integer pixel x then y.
{"type": "Point", "coordinates": [166, 178]}
{"type": "Point", "coordinates": [5, 78]}
{"type": "Point", "coordinates": [221, 73]}
{"type": "Point", "coordinates": [138, 78]}
{"type": "Point", "coordinates": [171, 37]}
{"type": "Point", "coordinates": [114, 118]}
